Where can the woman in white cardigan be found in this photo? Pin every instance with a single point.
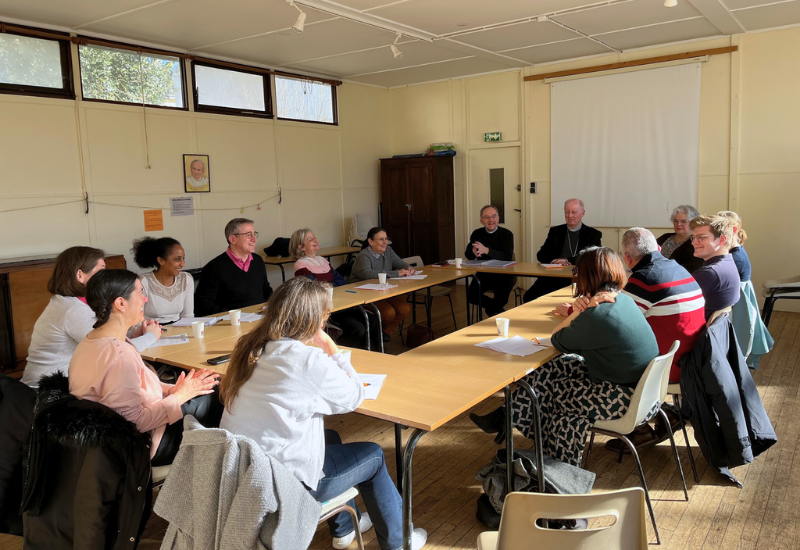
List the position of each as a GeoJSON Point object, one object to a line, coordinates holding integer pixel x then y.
{"type": "Point", "coordinates": [169, 291]}
{"type": "Point", "coordinates": [67, 319]}
{"type": "Point", "coordinates": [277, 391]}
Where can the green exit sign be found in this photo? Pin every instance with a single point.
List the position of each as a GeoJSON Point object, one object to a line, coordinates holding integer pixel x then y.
{"type": "Point", "coordinates": [491, 136]}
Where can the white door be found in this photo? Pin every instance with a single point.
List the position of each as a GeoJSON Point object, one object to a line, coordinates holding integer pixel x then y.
{"type": "Point", "coordinates": [495, 179]}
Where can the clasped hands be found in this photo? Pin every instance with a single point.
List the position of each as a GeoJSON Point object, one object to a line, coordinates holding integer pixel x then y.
{"type": "Point", "coordinates": [479, 250]}
{"type": "Point", "coordinates": [582, 303]}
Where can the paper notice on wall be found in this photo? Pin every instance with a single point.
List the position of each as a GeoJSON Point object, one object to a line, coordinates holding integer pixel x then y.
{"type": "Point", "coordinates": [153, 220]}
{"type": "Point", "coordinates": [181, 206]}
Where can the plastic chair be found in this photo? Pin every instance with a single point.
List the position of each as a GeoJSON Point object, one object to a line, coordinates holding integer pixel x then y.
{"type": "Point", "coordinates": [360, 226]}
{"type": "Point", "coordinates": [650, 393]}
{"type": "Point", "coordinates": [339, 504]}
{"type": "Point", "coordinates": [437, 291]}
{"type": "Point", "coordinates": [776, 290]}
{"type": "Point", "coordinates": [520, 527]}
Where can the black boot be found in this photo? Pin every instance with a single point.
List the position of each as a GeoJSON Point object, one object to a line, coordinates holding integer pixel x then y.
{"type": "Point", "coordinates": [491, 423]}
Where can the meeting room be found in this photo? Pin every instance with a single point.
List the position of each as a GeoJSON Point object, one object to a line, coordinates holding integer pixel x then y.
{"type": "Point", "coordinates": [399, 274]}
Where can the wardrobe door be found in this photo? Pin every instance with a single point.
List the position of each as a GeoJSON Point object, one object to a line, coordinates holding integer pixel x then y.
{"type": "Point", "coordinates": [424, 241]}
{"type": "Point", "coordinates": [394, 199]}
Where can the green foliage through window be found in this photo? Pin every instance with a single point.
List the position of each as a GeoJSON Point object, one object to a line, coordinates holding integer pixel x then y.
{"type": "Point", "coordinates": [30, 61]}
{"type": "Point", "coordinates": [112, 74]}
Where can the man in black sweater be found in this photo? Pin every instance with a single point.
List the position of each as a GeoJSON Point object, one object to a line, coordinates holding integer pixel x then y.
{"type": "Point", "coordinates": [491, 242]}
{"type": "Point", "coordinates": [562, 246]}
{"type": "Point", "coordinates": [236, 278]}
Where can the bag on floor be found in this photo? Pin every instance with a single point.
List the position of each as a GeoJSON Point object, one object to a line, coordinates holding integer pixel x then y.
{"type": "Point", "coordinates": [419, 334]}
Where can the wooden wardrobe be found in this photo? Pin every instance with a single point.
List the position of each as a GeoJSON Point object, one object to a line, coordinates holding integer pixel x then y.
{"type": "Point", "coordinates": [417, 207]}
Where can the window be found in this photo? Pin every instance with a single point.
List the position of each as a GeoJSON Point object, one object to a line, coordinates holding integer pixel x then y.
{"type": "Point", "coordinates": [125, 76]}
{"type": "Point", "coordinates": [35, 66]}
{"type": "Point", "coordinates": [231, 91]}
{"type": "Point", "coordinates": [306, 100]}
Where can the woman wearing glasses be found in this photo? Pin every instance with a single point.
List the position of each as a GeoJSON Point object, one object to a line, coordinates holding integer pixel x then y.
{"type": "Point", "coordinates": [678, 246]}
{"type": "Point", "coordinates": [378, 257]}
{"type": "Point", "coordinates": [236, 278]}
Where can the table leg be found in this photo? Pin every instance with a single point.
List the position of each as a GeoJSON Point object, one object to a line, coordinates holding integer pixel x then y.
{"type": "Point", "coordinates": [509, 442]}
{"type": "Point", "coordinates": [428, 300]}
{"type": "Point", "coordinates": [283, 273]}
{"type": "Point", "coordinates": [409, 454]}
{"type": "Point", "coordinates": [380, 325]}
{"type": "Point", "coordinates": [537, 432]}
{"type": "Point", "coordinates": [398, 455]}
{"type": "Point", "coordinates": [414, 308]}
{"type": "Point", "coordinates": [366, 322]}
{"type": "Point", "coordinates": [469, 309]}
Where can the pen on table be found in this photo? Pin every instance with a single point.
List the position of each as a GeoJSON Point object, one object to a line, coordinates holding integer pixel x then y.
{"type": "Point", "coordinates": [535, 339]}
{"type": "Point", "coordinates": [351, 291]}
{"type": "Point", "coordinates": [365, 384]}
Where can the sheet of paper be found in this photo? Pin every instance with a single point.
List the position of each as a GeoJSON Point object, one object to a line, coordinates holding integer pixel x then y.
{"type": "Point", "coordinates": [187, 321]}
{"type": "Point", "coordinates": [409, 277]}
{"type": "Point", "coordinates": [172, 340]}
{"type": "Point", "coordinates": [153, 220]}
{"type": "Point", "coordinates": [516, 345]}
{"type": "Point", "coordinates": [181, 206]}
{"type": "Point", "coordinates": [551, 266]}
{"type": "Point", "coordinates": [373, 286]}
{"type": "Point", "coordinates": [244, 317]}
{"type": "Point", "coordinates": [498, 263]}
{"type": "Point", "coordinates": [372, 384]}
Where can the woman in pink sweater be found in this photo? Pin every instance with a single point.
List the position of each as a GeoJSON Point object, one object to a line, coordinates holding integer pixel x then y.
{"type": "Point", "coordinates": [107, 369]}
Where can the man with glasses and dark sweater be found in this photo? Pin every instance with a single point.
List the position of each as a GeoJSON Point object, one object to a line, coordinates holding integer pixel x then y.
{"type": "Point", "coordinates": [491, 242]}
{"type": "Point", "coordinates": [236, 278]}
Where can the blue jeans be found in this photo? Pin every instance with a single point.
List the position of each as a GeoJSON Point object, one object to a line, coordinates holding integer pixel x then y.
{"type": "Point", "coordinates": [361, 464]}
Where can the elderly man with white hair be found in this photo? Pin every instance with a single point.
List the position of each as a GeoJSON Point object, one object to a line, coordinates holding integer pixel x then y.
{"type": "Point", "coordinates": [563, 244]}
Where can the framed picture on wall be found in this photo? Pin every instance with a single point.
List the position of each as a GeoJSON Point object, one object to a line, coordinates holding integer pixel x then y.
{"type": "Point", "coordinates": [196, 174]}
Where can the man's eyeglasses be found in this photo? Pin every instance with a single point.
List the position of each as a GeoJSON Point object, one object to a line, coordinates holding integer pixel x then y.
{"type": "Point", "coordinates": [251, 235]}
{"type": "Point", "coordinates": [492, 217]}
{"type": "Point", "coordinates": [700, 238]}
{"type": "Point", "coordinates": [384, 240]}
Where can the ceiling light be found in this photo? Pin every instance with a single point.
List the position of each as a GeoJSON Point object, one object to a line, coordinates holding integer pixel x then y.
{"type": "Point", "coordinates": [670, 3]}
{"type": "Point", "coordinates": [301, 19]}
{"type": "Point", "coordinates": [395, 50]}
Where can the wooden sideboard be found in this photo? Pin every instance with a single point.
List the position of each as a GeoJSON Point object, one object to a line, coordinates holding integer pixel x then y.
{"type": "Point", "coordinates": [23, 297]}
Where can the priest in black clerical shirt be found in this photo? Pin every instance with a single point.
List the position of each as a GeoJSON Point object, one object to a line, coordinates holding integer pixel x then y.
{"type": "Point", "coordinates": [562, 246]}
{"type": "Point", "coordinates": [491, 242]}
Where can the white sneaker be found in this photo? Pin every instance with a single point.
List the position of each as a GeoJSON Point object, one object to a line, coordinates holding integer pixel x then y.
{"type": "Point", "coordinates": [418, 538]}
{"type": "Point", "coordinates": [364, 525]}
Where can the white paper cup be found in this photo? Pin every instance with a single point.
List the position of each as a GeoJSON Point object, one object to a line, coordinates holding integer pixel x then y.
{"type": "Point", "coordinates": [330, 296]}
{"type": "Point", "coordinates": [458, 263]}
{"type": "Point", "coordinates": [236, 317]}
{"type": "Point", "coordinates": [198, 329]}
{"type": "Point", "coordinates": [502, 326]}
{"type": "Point", "coordinates": [382, 278]}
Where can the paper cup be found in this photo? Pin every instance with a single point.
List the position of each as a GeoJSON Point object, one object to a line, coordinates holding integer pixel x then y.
{"type": "Point", "coordinates": [236, 317]}
{"type": "Point", "coordinates": [502, 326]}
{"type": "Point", "coordinates": [198, 329]}
{"type": "Point", "coordinates": [458, 263]}
{"type": "Point", "coordinates": [382, 278]}
{"type": "Point", "coordinates": [330, 296]}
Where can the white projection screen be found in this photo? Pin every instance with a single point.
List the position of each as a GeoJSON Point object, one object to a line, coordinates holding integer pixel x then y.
{"type": "Point", "coordinates": [627, 144]}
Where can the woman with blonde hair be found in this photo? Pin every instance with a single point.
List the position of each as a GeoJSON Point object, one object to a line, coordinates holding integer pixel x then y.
{"type": "Point", "coordinates": [737, 250]}
{"type": "Point", "coordinates": [277, 391]}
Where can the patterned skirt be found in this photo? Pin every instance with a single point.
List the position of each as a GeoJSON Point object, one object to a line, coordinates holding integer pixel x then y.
{"type": "Point", "coordinates": [570, 403]}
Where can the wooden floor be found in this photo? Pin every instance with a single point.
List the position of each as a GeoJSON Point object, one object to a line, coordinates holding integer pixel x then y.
{"type": "Point", "coordinates": [764, 514]}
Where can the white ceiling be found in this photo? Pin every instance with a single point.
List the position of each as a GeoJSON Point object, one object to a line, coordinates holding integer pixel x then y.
{"type": "Point", "coordinates": [350, 39]}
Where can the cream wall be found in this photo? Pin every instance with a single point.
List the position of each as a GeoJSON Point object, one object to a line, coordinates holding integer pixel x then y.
{"type": "Point", "coordinates": [325, 173]}
{"type": "Point", "coordinates": [749, 139]}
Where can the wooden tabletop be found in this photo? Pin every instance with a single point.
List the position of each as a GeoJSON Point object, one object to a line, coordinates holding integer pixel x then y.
{"type": "Point", "coordinates": [519, 269]}
{"type": "Point", "coordinates": [324, 252]}
{"type": "Point", "coordinates": [404, 286]}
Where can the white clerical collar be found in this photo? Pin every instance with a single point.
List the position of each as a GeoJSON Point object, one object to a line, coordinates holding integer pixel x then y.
{"type": "Point", "coordinates": [577, 228]}
{"type": "Point", "coordinates": [490, 232]}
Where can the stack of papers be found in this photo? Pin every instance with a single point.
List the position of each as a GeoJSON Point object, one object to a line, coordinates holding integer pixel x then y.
{"type": "Point", "coordinates": [187, 321]}
{"type": "Point", "coordinates": [415, 277]}
{"type": "Point", "coordinates": [372, 384]}
{"type": "Point", "coordinates": [552, 266]}
{"type": "Point", "coordinates": [519, 346]}
{"type": "Point", "coordinates": [172, 340]}
{"type": "Point", "coordinates": [244, 317]}
{"type": "Point", "coordinates": [372, 286]}
{"type": "Point", "coordinates": [489, 263]}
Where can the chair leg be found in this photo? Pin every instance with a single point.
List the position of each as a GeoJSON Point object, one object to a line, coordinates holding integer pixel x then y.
{"type": "Point", "coordinates": [675, 451]}
{"type": "Point", "coordinates": [587, 451]}
{"type": "Point", "coordinates": [644, 484]}
{"type": "Point", "coordinates": [453, 312]}
{"type": "Point", "coordinates": [677, 400]}
{"type": "Point", "coordinates": [355, 524]}
{"type": "Point", "coordinates": [769, 305]}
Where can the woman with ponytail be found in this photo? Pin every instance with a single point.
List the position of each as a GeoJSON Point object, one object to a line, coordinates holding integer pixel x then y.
{"type": "Point", "coordinates": [169, 291]}
{"type": "Point", "coordinates": [107, 369]}
{"type": "Point", "coordinates": [277, 391]}
{"type": "Point", "coordinates": [737, 252]}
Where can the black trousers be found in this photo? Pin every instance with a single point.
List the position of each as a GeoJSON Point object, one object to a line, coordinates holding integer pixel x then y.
{"type": "Point", "coordinates": [501, 285]}
{"type": "Point", "coordinates": [545, 285]}
{"type": "Point", "coordinates": [207, 409]}
{"type": "Point", "coordinates": [351, 321]}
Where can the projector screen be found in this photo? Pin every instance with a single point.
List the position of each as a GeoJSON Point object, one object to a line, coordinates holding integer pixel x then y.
{"type": "Point", "coordinates": [627, 145]}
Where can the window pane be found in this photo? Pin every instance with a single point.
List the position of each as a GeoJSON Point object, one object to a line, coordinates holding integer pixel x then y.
{"type": "Point", "coordinates": [304, 99]}
{"type": "Point", "coordinates": [30, 61]}
{"type": "Point", "coordinates": [121, 75]}
{"type": "Point", "coordinates": [497, 192]}
{"type": "Point", "coordinates": [231, 89]}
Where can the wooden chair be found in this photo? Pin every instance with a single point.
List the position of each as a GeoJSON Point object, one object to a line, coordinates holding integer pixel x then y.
{"type": "Point", "coordinates": [523, 514]}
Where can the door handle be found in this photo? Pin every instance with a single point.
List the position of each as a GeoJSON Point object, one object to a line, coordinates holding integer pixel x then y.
{"type": "Point", "coordinates": [408, 206]}
{"type": "Point", "coordinates": [518, 210]}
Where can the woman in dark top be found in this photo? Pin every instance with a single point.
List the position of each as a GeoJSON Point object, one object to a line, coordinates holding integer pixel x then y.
{"type": "Point", "coordinates": [606, 345]}
{"type": "Point", "coordinates": [678, 246]}
{"type": "Point", "coordinates": [737, 251]}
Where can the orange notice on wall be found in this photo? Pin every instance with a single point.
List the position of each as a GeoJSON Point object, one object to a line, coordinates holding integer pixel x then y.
{"type": "Point", "coordinates": [153, 220]}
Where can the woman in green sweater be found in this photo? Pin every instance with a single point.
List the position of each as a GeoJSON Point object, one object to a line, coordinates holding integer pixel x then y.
{"type": "Point", "coordinates": [606, 345]}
